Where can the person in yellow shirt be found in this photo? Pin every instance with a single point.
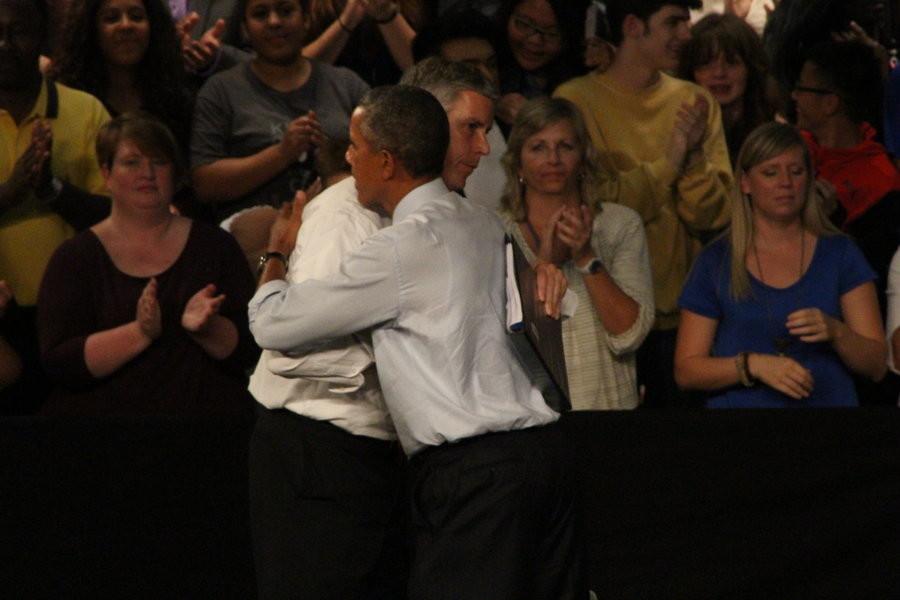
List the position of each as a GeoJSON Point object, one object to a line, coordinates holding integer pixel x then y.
{"type": "Point", "coordinates": [48, 166]}
{"type": "Point", "coordinates": [663, 150]}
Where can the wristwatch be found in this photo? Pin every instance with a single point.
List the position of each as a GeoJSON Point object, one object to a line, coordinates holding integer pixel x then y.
{"type": "Point", "coordinates": [266, 257]}
{"type": "Point", "coordinates": [591, 268]}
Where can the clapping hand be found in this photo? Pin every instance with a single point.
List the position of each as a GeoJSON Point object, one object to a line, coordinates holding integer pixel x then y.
{"type": "Point", "coordinates": [198, 55]}
{"type": "Point", "coordinates": [379, 10]}
{"type": "Point", "coordinates": [688, 131]}
{"type": "Point", "coordinates": [574, 230]}
{"type": "Point", "coordinates": [283, 234]}
{"type": "Point", "coordinates": [551, 248]}
{"type": "Point", "coordinates": [32, 169]}
{"type": "Point", "coordinates": [550, 287]}
{"type": "Point", "coordinates": [149, 317]}
{"type": "Point", "coordinates": [301, 135]}
{"type": "Point", "coordinates": [508, 106]}
{"type": "Point", "coordinates": [200, 309]}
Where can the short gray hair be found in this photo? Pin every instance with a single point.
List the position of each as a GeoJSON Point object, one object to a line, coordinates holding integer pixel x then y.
{"type": "Point", "coordinates": [447, 79]}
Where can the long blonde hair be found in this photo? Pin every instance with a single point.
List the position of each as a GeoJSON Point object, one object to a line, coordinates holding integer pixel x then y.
{"type": "Point", "coordinates": [765, 143]}
{"type": "Point", "coordinates": [534, 116]}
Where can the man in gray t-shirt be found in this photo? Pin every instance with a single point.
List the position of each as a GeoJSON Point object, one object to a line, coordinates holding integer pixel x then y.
{"type": "Point", "coordinates": [237, 115]}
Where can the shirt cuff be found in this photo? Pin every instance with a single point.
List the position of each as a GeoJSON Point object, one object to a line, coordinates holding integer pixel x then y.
{"type": "Point", "coordinates": [264, 293]}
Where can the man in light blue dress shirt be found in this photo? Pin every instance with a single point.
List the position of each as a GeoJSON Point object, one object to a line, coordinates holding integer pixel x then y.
{"type": "Point", "coordinates": [492, 508]}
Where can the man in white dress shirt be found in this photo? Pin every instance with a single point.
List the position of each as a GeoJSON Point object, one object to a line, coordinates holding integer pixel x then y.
{"type": "Point", "coordinates": [337, 386]}
{"type": "Point", "coordinates": [326, 472]}
{"type": "Point", "coordinates": [492, 509]}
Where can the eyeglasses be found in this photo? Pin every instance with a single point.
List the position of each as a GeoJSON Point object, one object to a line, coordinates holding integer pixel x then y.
{"type": "Point", "coordinates": [528, 29]}
{"type": "Point", "coordinates": [813, 90]}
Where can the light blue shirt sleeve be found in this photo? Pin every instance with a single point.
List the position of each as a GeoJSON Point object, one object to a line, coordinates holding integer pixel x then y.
{"type": "Point", "coordinates": [299, 317]}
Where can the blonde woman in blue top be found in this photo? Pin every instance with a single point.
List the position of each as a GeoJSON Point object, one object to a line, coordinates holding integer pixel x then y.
{"type": "Point", "coordinates": [781, 309]}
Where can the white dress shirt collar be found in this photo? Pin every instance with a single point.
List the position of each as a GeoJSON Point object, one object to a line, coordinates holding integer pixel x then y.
{"type": "Point", "coordinates": [418, 197]}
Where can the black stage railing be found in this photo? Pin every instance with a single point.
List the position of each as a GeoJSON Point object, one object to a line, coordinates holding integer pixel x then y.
{"type": "Point", "coordinates": [727, 504]}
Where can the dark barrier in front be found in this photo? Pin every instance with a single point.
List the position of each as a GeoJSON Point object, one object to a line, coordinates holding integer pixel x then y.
{"type": "Point", "coordinates": [757, 504]}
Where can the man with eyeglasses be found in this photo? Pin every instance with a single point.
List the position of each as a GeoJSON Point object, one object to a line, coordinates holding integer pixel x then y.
{"type": "Point", "coordinates": [468, 37]}
{"type": "Point", "coordinates": [662, 144]}
{"type": "Point", "coordinates": [838, 97]}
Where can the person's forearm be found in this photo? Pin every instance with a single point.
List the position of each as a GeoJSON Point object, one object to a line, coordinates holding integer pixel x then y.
{"type": "Point", "coordinates": [702, 200]}
{"type": "Point", "coordinates": [398, 36]}
{"type": "Point", "coordinates": [230, 178]}
{"type": "Point", "coordinates": [328, 46]}
{"type": "Point", "coordinates": [218, 339]}
{"type": "Point", "coordinates": [105, 352]}
{"type": "Point", "coordinates": [616, 309]}
{"type": "Point", "coordinates": [706, 373]}
{"type": "Point", "coordinates": [274, 269]}
{"type": "Point", "coordinates": [860, 354]}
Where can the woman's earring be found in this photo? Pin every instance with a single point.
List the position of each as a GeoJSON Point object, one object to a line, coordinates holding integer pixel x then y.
{"type": "Point", "coordinates": [521, 180]}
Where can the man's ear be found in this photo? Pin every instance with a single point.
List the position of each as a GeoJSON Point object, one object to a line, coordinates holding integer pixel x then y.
{"type": "Point", "coordinates": [633, 26]}
{"type": "Point", "coordinates": [388, 165]}
{"type": "Point", "coordinates": [834, 105]}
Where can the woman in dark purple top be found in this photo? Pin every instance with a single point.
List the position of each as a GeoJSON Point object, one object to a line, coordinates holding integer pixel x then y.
{"type": "Point", "coordinates": [145, 313]}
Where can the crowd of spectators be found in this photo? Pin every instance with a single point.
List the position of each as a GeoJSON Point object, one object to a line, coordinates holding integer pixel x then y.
{"type": "Point", "coordinates": [722, 195]}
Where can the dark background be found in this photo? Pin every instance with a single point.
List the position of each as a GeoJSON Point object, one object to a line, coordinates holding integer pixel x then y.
{"type": "Point", "coordinates": [694, 504]}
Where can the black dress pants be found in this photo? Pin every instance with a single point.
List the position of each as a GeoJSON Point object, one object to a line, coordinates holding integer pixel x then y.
{"type": "Point", "coordinates": [494, 517]}
{"type": "Point", "coordinates": [324, 511]}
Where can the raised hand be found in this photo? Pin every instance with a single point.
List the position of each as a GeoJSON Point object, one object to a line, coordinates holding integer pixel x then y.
{"type": "Point", "coordinates": [31, 170]}
{"type": "Point", "coordinates": [200, 309]}
{"type": "Point", "coordinates": [781, 373]}
{"type": "Point", "coordinates": [379, 10]}
{"type": "Point", "coordinates": [41, 175]}
{"type": "Point", "coordinates": [688, 130]}
{"type": "Point", "coordinates": [301, 135]}
{"type": "Point", "coordinates": [353, 13]}
{"type": "Point", "coordinates": [857, 34]}
{"type": "Point", "coordinates": [550, 246]}
{"type": "Point", "coordinates": [283, 234]}
{"type": "Point", "coordinates": [574, 230]}
{"type": "Point", "coordinates": [149, 317]}
{"type": "Point", "coordinates": [508, 106]}
{"type": "Point", "coordinates": [739, 8]}
{"type": "Point", "coordinates": [199, 54]}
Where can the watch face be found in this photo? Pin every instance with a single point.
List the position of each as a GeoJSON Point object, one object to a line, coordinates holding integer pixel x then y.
{"type": "Point", "coordinates": [592, 267]}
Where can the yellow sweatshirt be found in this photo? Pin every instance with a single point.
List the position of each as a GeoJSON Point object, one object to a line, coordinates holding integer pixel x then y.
{"type": "Point", "coordinates": [631, 131]}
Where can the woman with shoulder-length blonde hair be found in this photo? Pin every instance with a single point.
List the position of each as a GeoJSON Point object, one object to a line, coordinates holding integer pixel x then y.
{"type": "Point", "coordinates": [552, 209]}
{"type": "Point", "coordinates": [781, 309]}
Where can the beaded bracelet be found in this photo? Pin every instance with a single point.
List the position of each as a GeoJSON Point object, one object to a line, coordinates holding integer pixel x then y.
{"type": "Point", "coordinates": [741, 361]}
